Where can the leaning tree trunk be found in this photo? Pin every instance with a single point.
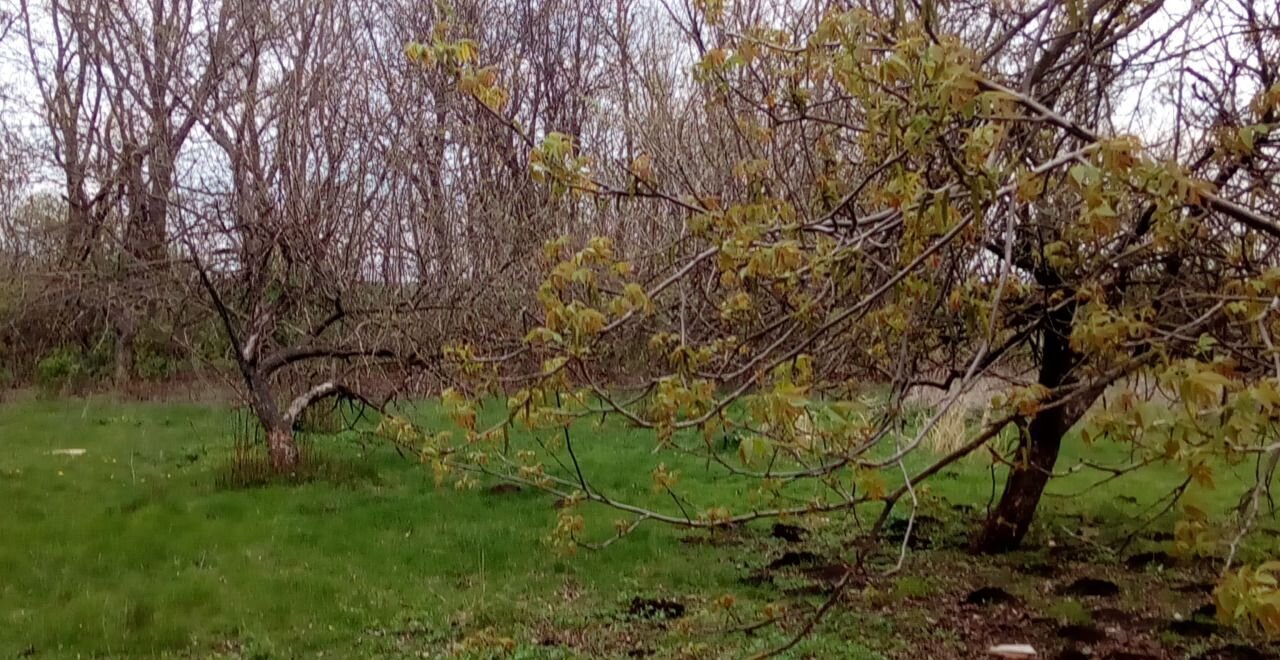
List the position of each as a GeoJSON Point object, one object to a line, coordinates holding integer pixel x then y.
{"type": "Point", "coordinates": [1038, 445]}
{"type": "Point", "coordinates": [282, 446]}
{"type": "Point", "coordinates": [1037, 453]}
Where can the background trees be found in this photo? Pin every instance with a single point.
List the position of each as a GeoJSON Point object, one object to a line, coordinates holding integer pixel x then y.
{"type": "Point", "coordinates": [269, 174]}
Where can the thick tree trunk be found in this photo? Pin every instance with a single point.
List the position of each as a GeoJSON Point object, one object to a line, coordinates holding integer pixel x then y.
{"type": "Point", "coordinates": [283, 448]}
{"type": "Point", "coordinates": [76, 241]}
{"type": "Point", "coordinates": [1037, 454]}
{"type": "Point", "coordinates": [1039, 445]}
{"type": "Point", "coordinates": [281, 444]}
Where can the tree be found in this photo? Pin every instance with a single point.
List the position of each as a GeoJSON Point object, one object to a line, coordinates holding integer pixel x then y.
{"type": "Point", "coordinates": [159, 64]}
{"type": "Point", "coordinates": [884, 195]}
{"type": "Point", "coordinates": [284, 245]}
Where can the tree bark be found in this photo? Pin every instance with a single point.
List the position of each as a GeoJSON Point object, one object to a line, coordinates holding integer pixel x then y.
{"type": "Point", "coordinates": [283, 448]}
{"type": "Point", "coordinates": [1038, 446]}
{"type": "Point", "coordinates": [1037, 453]}
{"type": "Point", "coordinates": [281, 444]}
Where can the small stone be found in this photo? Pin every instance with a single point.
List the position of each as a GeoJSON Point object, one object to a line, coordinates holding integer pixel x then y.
{"type": "Point", "coordinates": [1012, 651]}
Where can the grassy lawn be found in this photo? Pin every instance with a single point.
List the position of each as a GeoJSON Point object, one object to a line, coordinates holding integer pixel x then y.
{"type": "Point", "coordinates": [132, 550]}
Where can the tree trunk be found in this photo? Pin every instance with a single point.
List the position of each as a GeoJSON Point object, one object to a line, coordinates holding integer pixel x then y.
{"type": "Point", "coordinates": [1038, 446]}
{"type": "Point", "coordinates": [281, 444]}
{"type": "Point", "coordinates": [76, 241]}
{"type": "Point", "coordinates": [283, 448]}
{"type": "Point", "coordinates": [125, 334]}
{"type": "Point", "coordinates": [124, 321]}
{"type": "Point", "coordinates": [1037, 454]}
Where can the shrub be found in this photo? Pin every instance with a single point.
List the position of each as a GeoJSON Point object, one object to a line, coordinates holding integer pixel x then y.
{"type": "Point", "coordinates": [62, 369]}
{"type": "Point", "coordinates": [151, 365]}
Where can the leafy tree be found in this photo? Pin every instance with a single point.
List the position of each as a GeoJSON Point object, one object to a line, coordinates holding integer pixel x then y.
{"type": "Point", "coordinates": [927, 197]}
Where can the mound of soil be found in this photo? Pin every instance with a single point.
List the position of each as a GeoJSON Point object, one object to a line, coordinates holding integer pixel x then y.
{"type": "Point", "coordinates": [789, 533]}
{"type": "Point", "coordinates": [655, 608]}
{"type": "Point", "coordinates": [990, 596]}
{"type": "Point", "coordinates": [1144, 559]}
{"type": "Point", "coordinates": [792, 559]}
{"type": "Point", "coordinates": [1091, 587]}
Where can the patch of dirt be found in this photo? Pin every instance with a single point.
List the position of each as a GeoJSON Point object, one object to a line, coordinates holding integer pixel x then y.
{"type": "Point", "coordinates": [1235, 652]}
{"type": "Point", "coordinates": [1195, 588]}
{"type": "Point", "coordinates": [502, 489]}
{"type": "Point", "coordinates": [990, 596]}
{"type": "Point", "coordinates": [1144, 559]}
{"type": "Point", "coordinates": [789, 533]}
{"type": "Point", "coordinates": [923, 530]}
{"type": "Point", "coordinates": [1113, 615]}
{"type": "Point", "coordinates": [791, 559]}
{"type": "Point", "coordinates": [654, 608]}
{"type": "Point", "coordinates": [756, 579]}
{"type": "Point", "coordinates": [1091, 587]}
{"type": "Point", "coordinates": [1082, 633]}
{"type": "Point", "coordinates": [831, 573]}
{"type": "Point", "coordinates": [1206, 611]}
{"type": "Point", "coordinates": [1192, 628]}
{"type": "Point", "coordinates": [1039, 570]}
{"type": "Point", "coordinates": [1067, 601]}
{"type": "Point", "coordinates": [972, 605]}
{"type": "Point", "coordinates": [807, 590]}
{"type": "Point", "coordinates": [604, 639]}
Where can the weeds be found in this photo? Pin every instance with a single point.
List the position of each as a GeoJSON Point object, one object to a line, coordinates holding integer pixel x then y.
{"type": "Point", "coordinates": [249, 466]}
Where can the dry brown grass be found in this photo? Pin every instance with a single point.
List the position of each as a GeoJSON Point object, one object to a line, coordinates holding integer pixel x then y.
{"type": "Point", "coordinates": [950, 433]}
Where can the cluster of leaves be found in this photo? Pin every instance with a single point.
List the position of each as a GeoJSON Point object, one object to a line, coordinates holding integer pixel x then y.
{"type": "Point", "coordinates": [1251, 597]}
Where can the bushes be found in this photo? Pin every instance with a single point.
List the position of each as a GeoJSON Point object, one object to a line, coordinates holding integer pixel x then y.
{"type": "Point", "coordinates": [73, 369]}
{"type": "Point", "coordinates": [68, 369]}
{"type": "Point", "coordinates": [151, 365]}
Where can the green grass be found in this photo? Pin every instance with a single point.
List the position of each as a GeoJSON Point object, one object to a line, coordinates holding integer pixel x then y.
{"type": "Point", "coordinates": [132, 550]}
